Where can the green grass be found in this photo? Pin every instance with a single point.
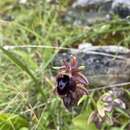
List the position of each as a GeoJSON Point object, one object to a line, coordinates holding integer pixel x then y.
{"type": "Point", "coordinates": [26, 78]}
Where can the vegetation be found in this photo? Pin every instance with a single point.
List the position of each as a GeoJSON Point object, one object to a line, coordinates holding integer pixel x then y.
{"type": "Point", "coordinates": [26, 74]}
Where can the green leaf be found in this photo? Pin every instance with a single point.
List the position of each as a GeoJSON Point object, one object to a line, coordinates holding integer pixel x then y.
{"type": "Point", "coordinates": [24, 128]}
{"type": "Point", "coordinates": [100, 108]}
{"type": "Point", "coordinates": [115, 128]}
{"type": "Point", "coordinates": [27, 58]}
{"type": "Point", "coordinates": [81, 122]}
{"type": "Point", "coordinates": [84, 97]}
{"type": "Point", "coordinates": [123, 112]}
{"type": "Point", "coordinates": [23, 67]}
{"type": "Point", "coordinates": [12, 121]}
{"type": "Point", "coordinates": [18, 62]}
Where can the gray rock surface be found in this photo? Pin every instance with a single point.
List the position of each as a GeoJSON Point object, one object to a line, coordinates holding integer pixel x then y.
{"type": "Point", "coordinates": [90, 3]}
{"type": "Point", "coordinates": [121, 7]}
{"type": "Point", "coordinates": [104, 65]}
{"type": "Point", "coordinates": [85, 12]}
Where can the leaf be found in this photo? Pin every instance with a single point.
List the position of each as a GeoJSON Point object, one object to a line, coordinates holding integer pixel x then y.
{"type": "Point", "coordinates": [22, 66]}
{"type": "Point", "coordinates": [100, 108]}
{"type": "Point", "coordinates": [81, 122]}
{"type": "Point", "coordinates": [24, 128]}
{"type": "Point", "coordinates": [12, 121]}
{"type": "Point", "coordinates": [84, 97]}
{"type": "Point", "coordinates": [104, 28]}
{"type": "Point", "coordinates": [18, 62]}
{"type": "Point", "coordinates": [27, 58]}
{"type": "Point", "coordinates": [123, 112]}
{"type": "Point", "coordinates": [115, 128]}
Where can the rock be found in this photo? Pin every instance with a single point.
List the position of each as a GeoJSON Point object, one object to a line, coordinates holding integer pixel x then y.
{"type": "Point", "coordinates": [121, 7]}
{"type": "Point", "coordinates": [78, 17]}
{"type": "Point", "coordinates": [90, 3]}
{"type": "Point", "coordinates": [87, 12]}
{"type": "Point", "coordinates": [104, 65]}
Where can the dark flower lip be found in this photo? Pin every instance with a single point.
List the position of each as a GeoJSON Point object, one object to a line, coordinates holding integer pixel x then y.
{"type": "Point", "coordinates": [63, 81]}
{"type": "Point", "coordinates": [65, 84]}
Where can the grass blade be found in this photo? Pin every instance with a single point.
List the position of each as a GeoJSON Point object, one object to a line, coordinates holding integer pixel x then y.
{"type": "Point", "coordinates": [18, 62]}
